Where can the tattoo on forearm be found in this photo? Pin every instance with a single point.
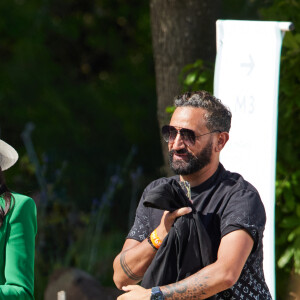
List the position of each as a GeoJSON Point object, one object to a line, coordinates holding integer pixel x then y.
{"type": "Point", "coordinates": [186, 289]}
{"type": "Point", "coordinates": [126, 268]}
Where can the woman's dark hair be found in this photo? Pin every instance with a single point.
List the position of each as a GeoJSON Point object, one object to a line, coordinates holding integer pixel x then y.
{"type": "Point", "coordinates": [6, 195]}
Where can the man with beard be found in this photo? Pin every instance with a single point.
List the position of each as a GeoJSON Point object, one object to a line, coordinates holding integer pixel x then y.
{"type": "Point", "coordinates": [229, 208]}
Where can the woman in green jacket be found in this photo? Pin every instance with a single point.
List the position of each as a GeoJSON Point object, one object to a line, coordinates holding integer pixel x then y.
{"type": "Point", "coordinates": [17, 236]}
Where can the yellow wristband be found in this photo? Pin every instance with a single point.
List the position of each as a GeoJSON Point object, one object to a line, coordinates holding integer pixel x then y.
{"type": "Point", "coordinates": [156, 241]}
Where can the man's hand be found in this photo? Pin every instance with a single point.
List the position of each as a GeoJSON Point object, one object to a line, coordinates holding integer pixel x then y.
{"type": "Point", "coordinates": [135, 292]}
{"type": "Point", "coordinates": [168, 219]}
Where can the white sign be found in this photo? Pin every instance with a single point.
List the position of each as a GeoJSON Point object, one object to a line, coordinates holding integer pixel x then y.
{"type": "Point", "coordinates": [246, 80]}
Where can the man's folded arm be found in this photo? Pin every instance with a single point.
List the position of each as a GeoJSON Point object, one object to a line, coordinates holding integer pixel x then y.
{"type": "Point", "coordinates": [233, 252]}
{"type": "Point", "coordinates": [132, 262]}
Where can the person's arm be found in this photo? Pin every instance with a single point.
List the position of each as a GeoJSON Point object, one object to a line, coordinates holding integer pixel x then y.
{"type": "Point", "coordinates": [19, 253]}
{"type": "Point", "coordinates": [131, 264]}
{"type": "Point", "coordinates": [235, 247]}
{"type": "Point", "coordinates": [133, 261]}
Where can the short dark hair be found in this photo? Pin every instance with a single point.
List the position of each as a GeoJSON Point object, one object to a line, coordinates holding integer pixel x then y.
{"type": "Point", "coordinates": [218, 116]}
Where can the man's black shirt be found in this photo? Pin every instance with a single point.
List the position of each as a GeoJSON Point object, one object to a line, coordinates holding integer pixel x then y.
{"type": "Point", "coordinates": [224, 203]}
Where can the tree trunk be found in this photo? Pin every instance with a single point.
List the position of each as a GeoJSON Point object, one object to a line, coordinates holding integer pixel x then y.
{"type": "Point", "coordinates": [182, 32]}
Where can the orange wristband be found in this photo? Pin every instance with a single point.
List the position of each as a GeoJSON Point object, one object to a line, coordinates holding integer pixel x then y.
{"type": "Point", "coordinates": [156, 241]}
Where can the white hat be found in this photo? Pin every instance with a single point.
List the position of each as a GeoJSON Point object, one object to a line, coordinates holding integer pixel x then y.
{"type": "Point", "coordinates": [8, 155]}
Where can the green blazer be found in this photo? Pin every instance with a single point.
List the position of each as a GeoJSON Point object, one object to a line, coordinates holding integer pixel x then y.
{"type": "Point", "coordinates": [17, 244]}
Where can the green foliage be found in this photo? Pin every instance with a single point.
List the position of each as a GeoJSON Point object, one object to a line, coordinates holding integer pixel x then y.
{"type": "Point", "coordinates": [81, 72]}
{"type": "Point", "coordinates": [288, 164]}
{"type": "Point", "coordinates": [198, 75]}
{"type": "Point", "coordinates": [90, 239]}
{"type": "Point", "coordinates": [170, 109]}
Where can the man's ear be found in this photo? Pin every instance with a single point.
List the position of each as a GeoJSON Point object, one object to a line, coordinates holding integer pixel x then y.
{"type": "Point", "coordinates": [223, 137]}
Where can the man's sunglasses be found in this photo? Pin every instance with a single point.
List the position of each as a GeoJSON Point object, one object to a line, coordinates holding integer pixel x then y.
{"type": "Point", "coordinates": [188, 136]}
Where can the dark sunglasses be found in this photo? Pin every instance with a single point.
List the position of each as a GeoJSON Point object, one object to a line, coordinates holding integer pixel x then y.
{"type": "Point", "coordinates": [188, 136]}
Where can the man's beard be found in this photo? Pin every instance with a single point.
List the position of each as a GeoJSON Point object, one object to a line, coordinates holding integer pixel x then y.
{"type": "Point", "coordinates": [193, 163]}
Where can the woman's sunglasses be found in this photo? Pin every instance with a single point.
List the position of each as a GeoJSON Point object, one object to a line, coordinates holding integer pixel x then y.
{"type": "Point", "coordinates": [188, 136]}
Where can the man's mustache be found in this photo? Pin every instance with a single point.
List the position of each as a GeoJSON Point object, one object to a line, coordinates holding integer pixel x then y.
{"type": "Point", "coordinates": [180, 151]}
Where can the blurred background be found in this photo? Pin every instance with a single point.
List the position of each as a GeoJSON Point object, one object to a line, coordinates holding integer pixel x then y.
{"type": "Point", "coordinates": [78, 98]}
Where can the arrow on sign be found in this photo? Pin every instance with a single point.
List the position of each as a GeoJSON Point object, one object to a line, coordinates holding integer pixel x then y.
{"type": "Point", "coordinates": [249, 65]}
